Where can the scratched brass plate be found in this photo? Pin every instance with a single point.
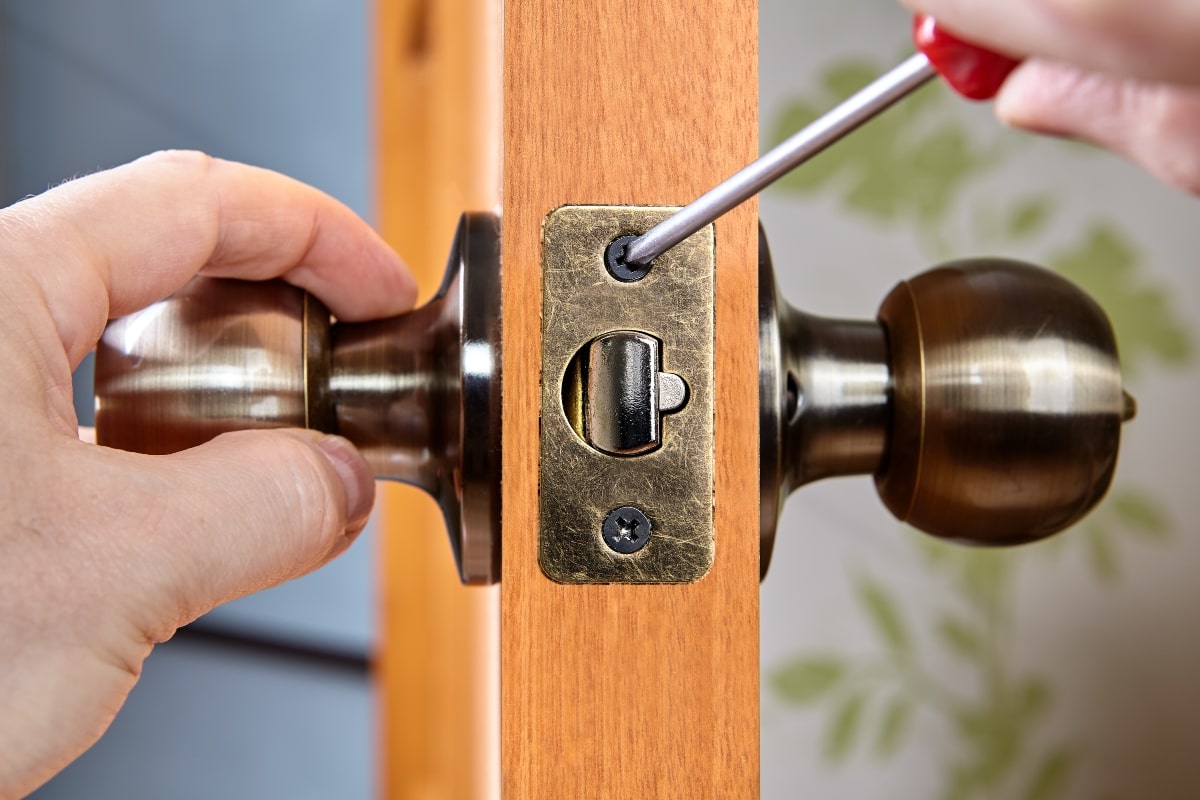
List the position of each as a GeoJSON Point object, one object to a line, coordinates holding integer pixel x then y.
{"type": "Point", "coordinates": [579, 485]}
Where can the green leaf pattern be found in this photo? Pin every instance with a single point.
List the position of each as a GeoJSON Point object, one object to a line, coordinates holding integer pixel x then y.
{"type": "Point", "coordinates": [808, 679]}
{"type": "Point", "coordinates": [844, 726]}
{"type": "Point", "coordinates": [894, 727]}
{"type": "Point", "coordinates": [961, 638]}
{"type": "Point", "coordinates": [881, 610]}
{"type": "Point", "coordinates": [1106, 264]}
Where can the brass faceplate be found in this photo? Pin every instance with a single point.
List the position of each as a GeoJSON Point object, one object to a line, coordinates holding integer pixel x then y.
{"type": "Point", "coordinates": [672, 485]}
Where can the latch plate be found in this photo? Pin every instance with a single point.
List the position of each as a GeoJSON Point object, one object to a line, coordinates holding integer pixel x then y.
{"type": "Point", "coordinates": [672, 485]}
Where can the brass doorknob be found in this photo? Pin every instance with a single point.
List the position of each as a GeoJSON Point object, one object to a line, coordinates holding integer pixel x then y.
{"type": "Point", "coordinates": [419, 393]}
{"type": "Point", "coordinates": [986, 400]}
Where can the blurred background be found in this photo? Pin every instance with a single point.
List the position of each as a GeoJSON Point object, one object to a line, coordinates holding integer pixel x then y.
{"type": "Point", "coordinates": [891, 667]}
{"type": "Point", "coordinates": [896, 668]}
{"type": "Point", "coordinates": [268, 696]}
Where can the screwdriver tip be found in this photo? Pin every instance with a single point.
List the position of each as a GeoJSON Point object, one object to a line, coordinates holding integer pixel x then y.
{"type": "Point", "coordinates": [634, 253]}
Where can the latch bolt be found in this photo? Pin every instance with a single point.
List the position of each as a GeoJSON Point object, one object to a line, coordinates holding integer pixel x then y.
{"type": "Point", "coordinates": [615, 393]}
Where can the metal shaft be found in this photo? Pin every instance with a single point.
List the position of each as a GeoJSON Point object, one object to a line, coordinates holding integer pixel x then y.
{"type": "Point", "coordinates": [864, 105]}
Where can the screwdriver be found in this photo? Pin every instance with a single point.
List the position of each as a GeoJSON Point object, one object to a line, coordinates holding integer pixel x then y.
{"type": "Point", "coordinates": [972, 71]}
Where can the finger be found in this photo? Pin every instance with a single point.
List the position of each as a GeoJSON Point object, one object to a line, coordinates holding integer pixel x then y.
{"type": "Point", "coordinates": [243, 512]}
{"type": "Point", "coordinates": [1154, 125]}
{"type": "Point", "coordinates": [1148, 39]}
{"type": "Point", "coordinates": [110, 243]}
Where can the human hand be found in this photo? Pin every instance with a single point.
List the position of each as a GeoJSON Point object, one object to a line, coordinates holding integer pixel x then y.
{"type": "Point", "coordinates": [105, 553]}
{"type": "Point", "coordinates": [1123, 74]}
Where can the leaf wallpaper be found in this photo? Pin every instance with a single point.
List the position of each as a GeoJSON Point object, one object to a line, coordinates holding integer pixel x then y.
{"type": "Point", "coordinates": [942, 690]}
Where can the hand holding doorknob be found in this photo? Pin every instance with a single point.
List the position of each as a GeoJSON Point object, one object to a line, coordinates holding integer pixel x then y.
{"type": "Point", "coordinates": [104, 553]}
{"type": "Point", "coordinates": [417, 393]}
{"type": "Point", "coordinates": [986, 401]}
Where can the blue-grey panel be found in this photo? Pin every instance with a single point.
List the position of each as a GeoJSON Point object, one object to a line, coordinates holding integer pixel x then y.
{"type": "Point", "coordinates": [205, 723]}
{"type": "Point", "coordinates": [333, 607]}
{"type": "Point", "coordinates": [281, 83]}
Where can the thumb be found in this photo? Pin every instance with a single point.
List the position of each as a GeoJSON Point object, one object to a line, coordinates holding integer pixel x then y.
{"type": "Point", "coordinates": [243, 512]}
{"type": "Point", "coordinates": [1154, 125]}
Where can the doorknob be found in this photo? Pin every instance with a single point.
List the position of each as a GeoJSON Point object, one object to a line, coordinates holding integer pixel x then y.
{"type": "Point", "coordinates": [986, 400]}
{"type": "Point", "coordinates": [419, 393]}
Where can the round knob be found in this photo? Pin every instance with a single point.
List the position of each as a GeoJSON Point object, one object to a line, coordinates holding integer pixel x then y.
{"type": "Point", "coordinates": [219, 355]}
{"type": "Point", "coordinates": [419, 393]}
{"type": "Point", "coordinates": [1006, 402]}
{"type": "Point", "coordinates": [986, 400]}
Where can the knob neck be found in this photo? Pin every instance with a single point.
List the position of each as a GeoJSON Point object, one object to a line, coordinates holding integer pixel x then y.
{"type": "Point", "coordinates": [396, 387]}
{"type": "Point", "coordinates": [419, 394]}
{"type": "Point", "coordinates": [824, 390]}
{"type": "Point", "coordinates": [836, 384]}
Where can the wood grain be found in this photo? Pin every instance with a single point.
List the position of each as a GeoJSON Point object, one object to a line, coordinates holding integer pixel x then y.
{"type": "Point", "coordinates": [630, 691]}
{"type": "Point", "coordinates": [436, 67]}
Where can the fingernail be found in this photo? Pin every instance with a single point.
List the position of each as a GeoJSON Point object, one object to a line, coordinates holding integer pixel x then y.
{"type": "Point", "coordinates": [356, 477]}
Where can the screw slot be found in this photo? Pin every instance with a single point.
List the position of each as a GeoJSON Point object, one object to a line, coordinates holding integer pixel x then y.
{"type": "Point", "coordinates": [618, 267]}
{"type": "Point", "coordinates": [626, 529]}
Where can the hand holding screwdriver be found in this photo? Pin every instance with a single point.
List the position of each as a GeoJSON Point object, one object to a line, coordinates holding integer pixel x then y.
{"type": "Point", "coordinates": [972, 71]}
{"type": "Point", "coordinates": [1154, 124]}
{"type": "Point", "coordinates": [1124, 75]}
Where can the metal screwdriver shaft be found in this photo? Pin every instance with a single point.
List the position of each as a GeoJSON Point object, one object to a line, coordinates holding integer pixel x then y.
{"type": "Point", "coordinates": [800, 147]}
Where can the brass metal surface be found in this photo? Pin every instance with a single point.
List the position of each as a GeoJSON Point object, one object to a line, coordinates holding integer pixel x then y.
{"type": "Point", "coordinates": [216, 356]}
{"type": "Point", "coordinates": [319, 411]}
{"type": "Point", "coordinates": [1007, 406]}
{"type": "Point", "coordinates": [672, 485]}
{"type": "Point", "coordinates": [419, 393]}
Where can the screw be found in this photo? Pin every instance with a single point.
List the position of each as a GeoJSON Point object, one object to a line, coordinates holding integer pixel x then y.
{"type": "Point", "coordinates": [618, 267]}
{"type": "Point", "coordinates": [626, 529]}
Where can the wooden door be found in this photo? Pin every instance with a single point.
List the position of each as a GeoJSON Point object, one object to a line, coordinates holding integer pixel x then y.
{"type": "Point", "coordinates": [606, 691]}
{"type": "Point", "coordinates": [437, 100]}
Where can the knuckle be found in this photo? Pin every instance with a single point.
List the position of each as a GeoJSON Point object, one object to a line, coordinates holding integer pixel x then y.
{"type": "Point", "coordinates": [1187, 178]}
{"type": "Point", "coordinates": [181, 159]}
{"type": "Point", "coordinates": [1088, 12]}
{"type": "Point", "coordinates": [1171, 136]}
{"type": "Point", "coordinates": [1184, 171]}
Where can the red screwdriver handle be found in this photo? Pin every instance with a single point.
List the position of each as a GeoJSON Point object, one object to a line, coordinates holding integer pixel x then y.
{"type": "Point", "coordinates": [972, 71]}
